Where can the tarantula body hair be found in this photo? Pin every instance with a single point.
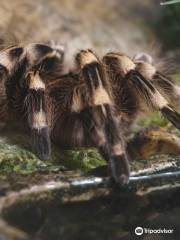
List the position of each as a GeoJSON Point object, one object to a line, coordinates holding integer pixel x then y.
{"type": "Point", "coordinates": [90, 118]}
{"type": "Point", "coordinates": [73, 93]}
{"type": "Point", "coordinates": [136, 76]}
{"type": "Point", "coordinates": [36, 109]}
{"type": "Point", "coordinates": [27, 73]}
{"type": "Point", "coordinates": [94, 76]}
{"type": "Point", "coordinates": [166, 89]}
{"type": "Point", "coordinates": [92, 106]}
{"type": "Point", "coordinates": [117, 66]}
{"type": "Point", "coordinates": [86, 123]}
{"type": "Point", "coordinates": [100, 120]}
{"type": "Point", "coordinates": [68, 99]}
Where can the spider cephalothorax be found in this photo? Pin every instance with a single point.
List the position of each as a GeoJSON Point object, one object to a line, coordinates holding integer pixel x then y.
{"type": "Point", "coordinates": [91, 106]}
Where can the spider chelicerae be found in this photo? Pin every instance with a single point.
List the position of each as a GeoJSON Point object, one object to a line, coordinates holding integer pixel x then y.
{"type": "Point", "coordinates": [93, 105]}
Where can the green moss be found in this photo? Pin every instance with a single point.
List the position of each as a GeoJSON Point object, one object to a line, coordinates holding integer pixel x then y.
{"type": "Point", "coordinates": [83, 159]}
{"type": "Point", "coordinates": [16, 156]}
{"type": "Point", "coordinates": [154, 119]}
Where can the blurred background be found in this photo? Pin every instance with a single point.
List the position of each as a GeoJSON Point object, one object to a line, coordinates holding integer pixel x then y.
{"type": "Point", "coordinates": [128, 26]}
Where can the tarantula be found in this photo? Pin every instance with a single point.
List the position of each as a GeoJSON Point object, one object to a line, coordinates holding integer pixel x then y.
{"type": "Point", "coordinates": [93, 105]}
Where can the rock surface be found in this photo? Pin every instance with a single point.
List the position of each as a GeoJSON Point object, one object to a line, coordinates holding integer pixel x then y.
{"type": "Point", "coordinates": [42, 201]}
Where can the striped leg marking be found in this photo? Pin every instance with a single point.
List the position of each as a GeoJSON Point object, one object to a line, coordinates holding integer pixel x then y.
{"type": "Point", "coordinates": [104, 133]}
{"type": "Point", "coordinates": [37, 119]}
{"type": "Point", "coordinates": [153, 98]}
{"type": "Point", "coordinates": [167, 87]}
{"type": "Point", "coordinates": [96, 82]}
{"type": "Point", "coordinates": [119, 163]}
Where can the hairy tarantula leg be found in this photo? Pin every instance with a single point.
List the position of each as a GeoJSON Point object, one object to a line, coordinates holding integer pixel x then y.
{"type": "Point", "coordinates": [21, 96]}
{"type": "Point", "coordinates": [119, 163]}
{"type": "Point", "coordinates": [110, 144]}
{"type": "Point", "coordinates": [168, 88]}
{"type": "Point", "coordinates": [98, 118]}
{"type": "Point", "coordinates": [93, 74]}
{"type": "Point", "coordinates": [121, 67]}
{"type": "Point", "coordinates": [153, 98]}
{"type": "Point", "coordinates": [37, 119]}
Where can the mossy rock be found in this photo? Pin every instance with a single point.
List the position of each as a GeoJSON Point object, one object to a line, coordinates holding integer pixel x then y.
{"type": "Point", "coordinates": [16, 155]}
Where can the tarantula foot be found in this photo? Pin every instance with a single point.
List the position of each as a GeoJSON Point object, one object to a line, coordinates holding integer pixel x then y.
{"type": "Point", "coordinates": [120, 170]}
{"type": "Point", "coordinates": [41, 142]}
{"type": "Point", "coordinates": [121, 180]}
